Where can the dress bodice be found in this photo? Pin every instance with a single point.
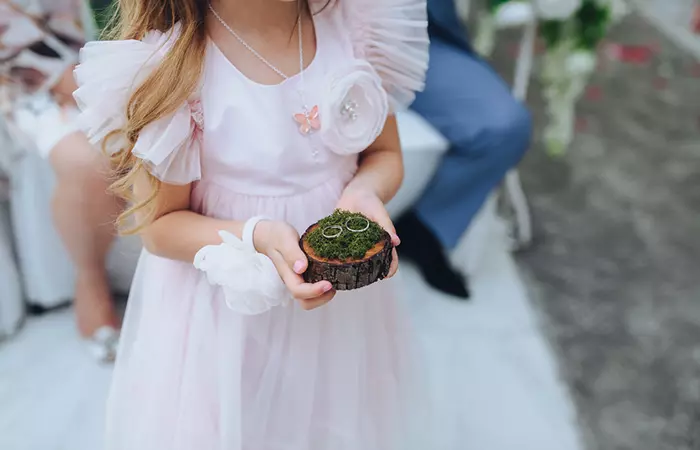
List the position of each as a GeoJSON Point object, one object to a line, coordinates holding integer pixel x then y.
{"type": "Point", "coordinates": [371, 58]}
{"type": "Point", "coordinates": [251, 142]}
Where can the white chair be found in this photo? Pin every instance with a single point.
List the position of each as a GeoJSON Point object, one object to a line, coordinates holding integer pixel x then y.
{"type": "Point", "coordinates": [422, 147]}
{"type": "Point", "coordinates": [11, 304]}
{"type": "Point", "coordinates": [515, 195]}
{"type": "Point", "coordinates": [520, 15]}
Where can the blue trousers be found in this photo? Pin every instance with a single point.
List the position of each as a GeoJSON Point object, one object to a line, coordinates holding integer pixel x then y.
{"type": "Point", "coordinates": [489, 131]}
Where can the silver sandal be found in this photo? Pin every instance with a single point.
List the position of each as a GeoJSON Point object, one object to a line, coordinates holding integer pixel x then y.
{"type": "Point", "coordinates": [103, 343]}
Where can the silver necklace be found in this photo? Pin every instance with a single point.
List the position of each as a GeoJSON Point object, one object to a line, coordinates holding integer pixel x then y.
{"type": "Point", "coordinates": [308, 120]}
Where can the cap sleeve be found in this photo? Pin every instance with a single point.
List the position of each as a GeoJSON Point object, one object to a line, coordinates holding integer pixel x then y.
{"type": "Point", "coordinates": [392, 35]}
{"type": "Point", "coordinates": [108, 73]}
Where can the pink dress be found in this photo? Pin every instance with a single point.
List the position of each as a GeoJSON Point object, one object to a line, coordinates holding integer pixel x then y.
{"type": "Point", "coordinates": [192, 373]}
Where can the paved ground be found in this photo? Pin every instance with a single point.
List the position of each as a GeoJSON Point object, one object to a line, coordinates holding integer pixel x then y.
{"type": "Point", "coordinates": [614, 270]}
{"type": "Point", "coordinates": [676, 12]}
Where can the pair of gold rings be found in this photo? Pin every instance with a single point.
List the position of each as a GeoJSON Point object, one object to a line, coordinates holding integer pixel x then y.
{"type": "Point", "coordinates": [333, 231]}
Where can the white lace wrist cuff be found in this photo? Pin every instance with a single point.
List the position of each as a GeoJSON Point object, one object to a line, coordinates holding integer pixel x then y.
{"type": "Point", "coordinates": [248, 279]}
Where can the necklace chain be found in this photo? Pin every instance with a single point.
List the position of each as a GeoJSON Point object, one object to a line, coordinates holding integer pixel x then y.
{"type": "Point", "coordinates": [308, 120]}
{"type": "Point", "coordinates": [255, 52]}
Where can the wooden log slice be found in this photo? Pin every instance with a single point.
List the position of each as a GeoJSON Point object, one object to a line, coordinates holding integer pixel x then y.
{"type": "Point", "coordinates": [347, 275]}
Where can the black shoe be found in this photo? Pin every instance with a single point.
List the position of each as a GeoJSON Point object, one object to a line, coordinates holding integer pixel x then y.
{"type": "Point", "coordinates": [420, 245]}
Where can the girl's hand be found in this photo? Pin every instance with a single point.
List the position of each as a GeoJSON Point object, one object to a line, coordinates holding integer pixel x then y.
{"type": "Point", "coordinates": [368, 203]}
{"type": "Point", "coordinates": [280, 242]}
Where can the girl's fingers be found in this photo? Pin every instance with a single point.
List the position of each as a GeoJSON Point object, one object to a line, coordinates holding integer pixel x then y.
{"type": "Point", "coordinates": [394, 264]}
{"type": "Point", "coordinates": [292, 253]}
{"type": "Point", "coordinates": [299, 289]}
{"type": "Point", "coordinates": [308, 291]}
{"type": "Point", "coordinates": [314, 303]}
{"type": "Point", "coordinates": [383, 220]}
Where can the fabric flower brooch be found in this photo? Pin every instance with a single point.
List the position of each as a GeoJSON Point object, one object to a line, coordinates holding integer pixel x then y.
{"type": "Point", "coordinates": [355, 108]}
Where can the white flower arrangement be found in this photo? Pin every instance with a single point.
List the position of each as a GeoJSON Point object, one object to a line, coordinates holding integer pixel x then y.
{"type": "Point", "coordinates": [569, 61]}
{"type": "Point", "coordinates": [565, 73]}
{"type": "Point", "coordinates": [572, 31]}
{"type": "Point", "coordinates": [556, 9]}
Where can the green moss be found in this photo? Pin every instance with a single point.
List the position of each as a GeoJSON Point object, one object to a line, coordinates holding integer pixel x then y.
{"type": "Point", "coordinates": [348, 245]}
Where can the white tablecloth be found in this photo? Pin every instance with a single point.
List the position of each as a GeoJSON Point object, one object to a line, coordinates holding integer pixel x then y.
{"type": "Point", "coordinates": [11, 305]}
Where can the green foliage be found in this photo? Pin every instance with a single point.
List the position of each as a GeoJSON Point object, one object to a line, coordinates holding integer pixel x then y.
{"type": "Point", "coordinates": [349, 245]}
{"type": "Point", "coordinates": [586, 28]}
{"type": "Point", "coordinates": [495, 4]}
{"type": "Point", "coordinates": [593, 21]}
{"type": "Point", "coordinates": [552, 31]}
{"type": "Point", "coordinates": [103, 10]}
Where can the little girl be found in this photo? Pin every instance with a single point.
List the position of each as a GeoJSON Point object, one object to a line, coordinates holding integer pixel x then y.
{"type": "Point", "coordinates": [233, 126]}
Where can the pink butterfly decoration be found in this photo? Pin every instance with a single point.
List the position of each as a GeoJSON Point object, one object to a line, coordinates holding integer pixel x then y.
{"type": "Point", "coordinates": [308, 121]}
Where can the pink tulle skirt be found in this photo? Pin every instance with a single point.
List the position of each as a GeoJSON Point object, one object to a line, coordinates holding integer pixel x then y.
{"type": "Point", "coordinates": [193, 375]}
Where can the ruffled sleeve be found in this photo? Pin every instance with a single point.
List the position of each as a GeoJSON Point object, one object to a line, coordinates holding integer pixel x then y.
{"type": "Point", "coordinates": [108, 74]}
{"type": "Point", "coordinates": [392, 35]}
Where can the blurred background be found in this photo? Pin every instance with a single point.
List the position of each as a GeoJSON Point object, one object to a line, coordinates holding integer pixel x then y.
{"type": "Point", "coordinates": [582, 330]}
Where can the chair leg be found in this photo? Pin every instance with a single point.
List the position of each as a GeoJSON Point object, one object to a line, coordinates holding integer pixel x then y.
{"type": "Point", "coordinates": [521, 221]}
{"type": "Point", "coordinates": [523, 65]}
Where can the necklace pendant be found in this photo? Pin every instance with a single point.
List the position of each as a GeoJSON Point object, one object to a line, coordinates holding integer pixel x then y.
{"type": "Point", "coordinates": [308, 120]}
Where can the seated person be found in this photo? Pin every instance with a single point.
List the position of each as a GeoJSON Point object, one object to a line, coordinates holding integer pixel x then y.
{"type": "Point", "coordinates": [466, 101]}
{"type": "Point", "coordinates": [39, 43]}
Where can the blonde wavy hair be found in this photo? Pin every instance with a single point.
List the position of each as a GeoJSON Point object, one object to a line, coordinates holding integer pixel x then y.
{"type": "Point", "coordinates": [157, 96]}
